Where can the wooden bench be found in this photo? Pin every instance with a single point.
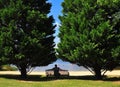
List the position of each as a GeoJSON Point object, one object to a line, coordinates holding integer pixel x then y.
{"type": "Point", "coordinates": [50, 73]}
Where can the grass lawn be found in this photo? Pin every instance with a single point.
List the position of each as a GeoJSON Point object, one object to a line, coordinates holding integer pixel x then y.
{"type": "Point", "coordinates": [40, 81]}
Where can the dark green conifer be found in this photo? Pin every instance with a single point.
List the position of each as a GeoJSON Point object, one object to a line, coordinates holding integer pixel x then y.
{"type": "Point", "coordinates": [26, 34]}
{"type": "Point", "coordinates": [90, 34]}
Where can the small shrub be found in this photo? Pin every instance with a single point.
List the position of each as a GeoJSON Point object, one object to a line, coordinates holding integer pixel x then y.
{"type": "Point", "coordinates": [8, 68]}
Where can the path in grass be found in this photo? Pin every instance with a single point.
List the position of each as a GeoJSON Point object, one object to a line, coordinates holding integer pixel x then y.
{"type": "Point", "coordinates": [72, 73]}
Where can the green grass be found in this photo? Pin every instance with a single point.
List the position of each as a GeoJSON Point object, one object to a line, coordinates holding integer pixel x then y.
{"type": "Point", "coordinates": [40, 81]}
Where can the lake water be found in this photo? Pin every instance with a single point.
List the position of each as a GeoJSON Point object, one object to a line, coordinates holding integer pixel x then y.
{"type": "Point", "coordinates": [63, 65]}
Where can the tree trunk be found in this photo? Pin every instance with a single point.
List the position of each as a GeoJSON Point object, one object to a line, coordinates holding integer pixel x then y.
{"type": "Point", "coordinates": [98, 73]}
{"type": "Point", "coordinates": [23, 72]}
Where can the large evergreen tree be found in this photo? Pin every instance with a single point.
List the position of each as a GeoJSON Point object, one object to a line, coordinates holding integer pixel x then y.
{"type": "Point", "coordinates": [26, 34]}
{"type": "Point", "coordinates": [90, 34]}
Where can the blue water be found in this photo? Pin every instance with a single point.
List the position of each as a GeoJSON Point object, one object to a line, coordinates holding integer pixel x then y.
{"type": "Point", "coordinates": [63, 65]}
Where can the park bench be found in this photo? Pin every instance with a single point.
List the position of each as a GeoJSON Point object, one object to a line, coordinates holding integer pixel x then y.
{"type": "Point", "coordinates": [50, 73]}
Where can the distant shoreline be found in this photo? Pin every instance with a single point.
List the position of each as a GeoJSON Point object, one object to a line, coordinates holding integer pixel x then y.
{"type": "Point", "coordinates": [72, 73]}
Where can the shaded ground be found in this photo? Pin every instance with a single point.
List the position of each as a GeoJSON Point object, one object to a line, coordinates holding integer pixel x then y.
{"type": "Point", "coordinates": [36, 78]}
{"type": "Point", "coordinates": [113, 76]}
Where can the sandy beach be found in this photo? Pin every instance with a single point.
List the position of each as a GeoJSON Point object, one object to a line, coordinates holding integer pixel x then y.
{"type": "Point", "coordinates": [72, 73]}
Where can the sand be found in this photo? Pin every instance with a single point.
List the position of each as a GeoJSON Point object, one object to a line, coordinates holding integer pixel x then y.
{"type": "Point", "coordinates": [72, 73]}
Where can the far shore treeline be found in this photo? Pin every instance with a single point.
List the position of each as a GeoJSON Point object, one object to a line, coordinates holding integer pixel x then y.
{"type": "Point", "coordinates": [89, 34]}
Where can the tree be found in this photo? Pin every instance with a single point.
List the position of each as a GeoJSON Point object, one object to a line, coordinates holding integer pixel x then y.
{"type": "Point", "coordinates": [26, 34]}
{"type": "Point", "coordinates": [90, 34]}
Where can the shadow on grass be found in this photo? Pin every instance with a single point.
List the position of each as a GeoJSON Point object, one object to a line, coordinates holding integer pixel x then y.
{"type": "Point", "coordinates": [29, 77]}
{"type": "Point", "coordinates": [44, 78]}
{"type": "Point", "coordinates": [112, 79]}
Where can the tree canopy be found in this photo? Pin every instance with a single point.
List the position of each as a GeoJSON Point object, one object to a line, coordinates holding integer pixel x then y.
{"type": "Point", "coordinates": [90, 34]}
{"type": "Point", "coordinates": [26, 34]}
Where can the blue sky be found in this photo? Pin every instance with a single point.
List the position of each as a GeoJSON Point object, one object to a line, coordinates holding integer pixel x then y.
{"type": "Point", "coordinates": [56, 10]}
